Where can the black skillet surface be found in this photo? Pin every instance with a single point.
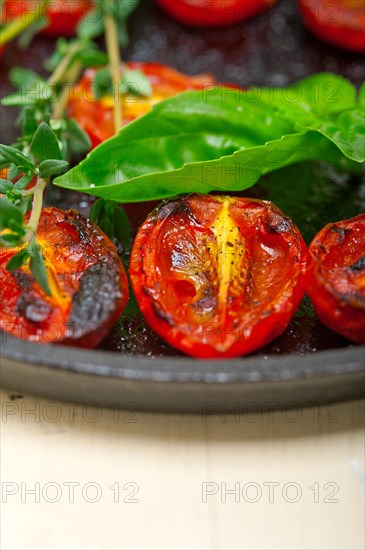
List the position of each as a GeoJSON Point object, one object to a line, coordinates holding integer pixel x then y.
{"type": "Point", "coordinates": [306, 365]}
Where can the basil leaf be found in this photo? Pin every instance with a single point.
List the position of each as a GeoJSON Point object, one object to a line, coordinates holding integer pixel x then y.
{"type": "Point", "coordinates": [52, 167]}
{"type": "Point", "coordinates": [310, 99]}
{"type": "Point", "coordinates": [346, 130]}
{"type": "Point", "coordinates": [218, 139]}
{"type": "Point", "coordinates": [38, 267]}
{"type": "Point", "coordinates": [16, 157]}
{"type": "Point", "coordinates": [19, 259]}
{"type": "Point", "coordinates": [362, 95]}
{"type": "Point", "coordinates": [45, 144]}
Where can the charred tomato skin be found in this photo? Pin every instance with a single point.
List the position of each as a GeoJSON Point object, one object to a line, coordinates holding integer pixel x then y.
{"type": "Point", "coordinates": [336, 277]}
{"type": "Point", "coordinates": [339, 22]}
{"type": "Point", "coordinates": [62, 16]}
{"type": "Point", "coordinates": [87, 279]}
{"type": "Point", "coordinates": [94, 113]}
{"type": "Point", "coordinates": [218, 276]}
{"type": "Point", "coordinates": [201, 13]}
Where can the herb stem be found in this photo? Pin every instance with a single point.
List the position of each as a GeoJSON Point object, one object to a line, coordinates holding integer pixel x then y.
{"type": "Point", "coordinates": [36, 209]}
{"type": "Point", "coordinates": [71, 77]}
{"type": "Point", "coordinates": [112, 46]}
{"type": "Point", "coordinates": [28, 192]}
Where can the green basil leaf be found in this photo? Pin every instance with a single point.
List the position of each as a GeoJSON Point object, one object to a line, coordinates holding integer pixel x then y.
{"type": "Point", "coordinates": [16, 157]}
{"type": "Point", "coordinates": [45, 144]}
{"type": "Point", "coordinates": [361, 97]}
{"type": "Point", "coordinates": [135, 82]}
{"type": "Point", "coordinates": [198, 142]}
{"type": "Point", "coordinates": [52, 167]}
{"type": "Point", "coordinates": [5, 185]}
{"type": "Point", "coordinates": [37, 267]}
{"type": "Point", "coordinates": [309, 99]}
{"type": "Point", "coordinates": [346, 130]}
{"type": "Point", "coordinates": [19, 259]}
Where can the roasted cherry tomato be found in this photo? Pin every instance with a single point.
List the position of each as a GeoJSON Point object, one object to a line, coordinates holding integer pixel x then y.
{"type": "Point", "coordinates": [62, 15]}
{"type": "Point", "coordinates": [95, 114]}
{"type": "Point", "coordinates": [340, 22]}
{"type": "Point", "coordinates": [218, 276]}
{"type": "Point", "coordinates": [336, 277]}
{"type": "Point", "coordinates": [87, 280]}
{"type": "Point", "coordinates": [220, 13]}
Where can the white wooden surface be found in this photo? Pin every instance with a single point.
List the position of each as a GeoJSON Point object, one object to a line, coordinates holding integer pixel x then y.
{"type": "Point", "coordinates": [169, 460]}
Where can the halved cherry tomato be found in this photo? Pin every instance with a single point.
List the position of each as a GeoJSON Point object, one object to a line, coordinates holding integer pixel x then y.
{"type": "Point", "coordinates": [203, 13]}
{"type": "Point", "coordinates": [62, 15]}
{"type": "Point", "coordinates": [87, 279]}
{"type": "Point", "coordinates": [336, 277]}
{"type": "Point", "coordinates": [218, 276]}
{"type": "Point", "coordinates": [95, 113]}
{"type": "Point", "coordinates": [340, 22]}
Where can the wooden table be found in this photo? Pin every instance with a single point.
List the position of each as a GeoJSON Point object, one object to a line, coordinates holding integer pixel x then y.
{"type": "Point", "coordinates": [82, 477]}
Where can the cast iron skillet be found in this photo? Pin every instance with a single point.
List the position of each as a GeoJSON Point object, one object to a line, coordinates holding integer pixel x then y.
{"type": "Point", "coordinates": [133, 368]}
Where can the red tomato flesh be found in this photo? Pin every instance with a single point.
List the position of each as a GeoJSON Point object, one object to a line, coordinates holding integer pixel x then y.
{"type": "Point", "coordinates": [95, 113]}
{"type": "Point", "coordinates": [340, 22]}
{"type": "Point", "coordinates": [62, 15]}
{"type": "Point", "coordinates": [336, 277]}
{"type": "Point", "coordinates": [87, 279]}
{"type": "Point", "coordinates": [203, 13]}
{"type": "Point", "coordinates": [218, 276]}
